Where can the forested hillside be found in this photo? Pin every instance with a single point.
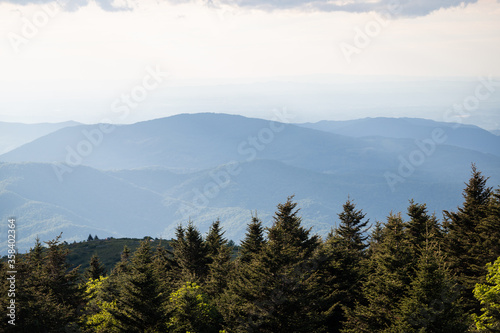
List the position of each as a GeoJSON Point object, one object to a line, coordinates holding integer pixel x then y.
{"type": "Point", "coordinates": [413, 272]}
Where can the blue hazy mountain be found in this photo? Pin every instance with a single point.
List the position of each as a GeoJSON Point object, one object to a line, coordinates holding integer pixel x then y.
{"type": "Point", "coordinates": [13, 135]}
{"type": "Point", "coordinates": [146, 178]}
{"type": "Point", "coordinates": [464, 136]}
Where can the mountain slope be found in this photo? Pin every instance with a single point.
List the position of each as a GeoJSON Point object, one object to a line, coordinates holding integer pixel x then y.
{"type": "Point", "coordinates": [464, 136]}
{"type": "Point", "coordinates": [13, 135]}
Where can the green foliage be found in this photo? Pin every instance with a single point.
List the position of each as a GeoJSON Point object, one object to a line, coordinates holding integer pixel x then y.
{"type": "Point", "coordinates": [189, 311]}
{"type": "Point", "coordinates": [190, 253]}
{"type": "Point", "coordinates": [276, 291]}
{"type": "Point", "coordinates": [254, 240]}
{"type": "Point", "coordinates": [140, 299]}
{"type": "Point", "coordinates": [408, 276]}
{"type": "Point", "coordinates": [345, 248]}
{"type": "Point", "coordinates": [432, 302]}
{"type": "Point", "coordinates": [489, 296]}
{"type": "Point", "coordinates": [48, 294]}
{"type": "Point", "coordinates": [466, 247]}
{"type": "Point", "coordinates": [386, 284]}
{"type": "Point", "coordinates": [98, 317]}
{"type": "Point", "coordinates": [96, 269]}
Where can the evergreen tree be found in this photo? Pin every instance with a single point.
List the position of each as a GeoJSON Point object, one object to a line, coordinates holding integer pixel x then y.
{"type": "Point", "coordinates": [141, 301]}
{"type": "Point", "coordinates": [277, 291]}
{"type": "Point", "coordinates": [90, 238]}
{"type": "Point", "coordinates": [96, 269]}
{"type": "Point", "coordinates": [165, 269]}
{"type": "Point", "coordinates": [122, 266]}
{"type": "Point", "coordinates": [254, 240]}
{"type": "Point", "coordinates": [219, 258]}
{"type": "Point", "coordinates": [489, 229]}
{"type": "Point", "coordinates": [190, 253]}
{"type": "Point", "coordinates": [421, 228]}
{"type": "Point", "coordinates": [215, 240]}
{"type": "Point", "coordinates": [345, 247]}
{"type": "Point", "coordinates": [489, 296]}
{"type": "Point", "coordinates": [464, 245]}
{"type": "Point", "coordinates": [190, 311]}
{"type": "Point", "coordinates": [432, 303]}
{"type": "Point", "coordinates": [48, 291]}
{"type": "Point", "coordinates": [386, 283]}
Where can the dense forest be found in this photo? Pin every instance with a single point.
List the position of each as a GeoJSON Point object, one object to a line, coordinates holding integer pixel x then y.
{"type": "Point", "coordinates": [414, 272]}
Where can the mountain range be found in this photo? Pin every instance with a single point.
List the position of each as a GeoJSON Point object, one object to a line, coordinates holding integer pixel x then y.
{"type": "Point", "coordinates": [146, 178]}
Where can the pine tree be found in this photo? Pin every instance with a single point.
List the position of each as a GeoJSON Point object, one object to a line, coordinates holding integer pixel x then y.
{"type": "Point", "coordinates": [464, 245]}
{"type": "Point", "coordinates": [48, 291]}
{"type": "Point", "coordinates": [140, 305]}
{"type": "Point", "coordinates": [489, 229]}
{"type": "Point", "coordinates": [190, 253]}
{"type": "Point", "coordinates": [90, 238]}
{"type": "Point", "coordinates": [489, 295]}
{"type": "Point", "coordinates": [219, 258]}
{"type": "Point", "coordinates": [190, 311]}
{"type": "Point", "coordinates": [254, 240]}
{"type": "Point", "coordinates": [421, 227]}
{"type": "Point", "coordinates": [96, 269]}
{"type": "Point", "coordinates": [386, 283]}
{"type": "Point", "coordinates": [215, 239]}
{"type": "Point", "coordinates": [123, 265]}
{"type": "Point", "coordinates": [277, 291]}
{"type": "Point", "coordinates": [345, 247]}
{"type": "Point", "coordinates": [432, 303]}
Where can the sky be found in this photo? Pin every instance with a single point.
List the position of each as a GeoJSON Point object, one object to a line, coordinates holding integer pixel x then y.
{"type": "Point", "coordinates": [128, 60]}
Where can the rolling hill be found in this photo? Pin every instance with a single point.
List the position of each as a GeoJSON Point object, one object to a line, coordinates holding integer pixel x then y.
{"type": "Point", "coordinates": [146, 178]}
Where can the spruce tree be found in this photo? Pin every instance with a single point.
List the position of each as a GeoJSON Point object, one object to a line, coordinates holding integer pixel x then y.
{"type": "Point", "coordinates": [488, 294]}
{"type": "Point", "coordinates": [219, 260]}
{"type": "Point", "coordinates": [123, 265]}
{"type": "Point", "coordinates": [190, 253]}
{"type": "Point", "coordinates": [254, 240]}
{"type": "Point", "coordinates": [96, 269]}
{"type": "Point", "coordinates": [432, 303]}
{"type": "Point", "coordinates": [489, 229]}
{"type": "Point", "coordinates": [140, 305]}
{"type": "Point", "coordinates": [386, 283]}
{"type": "Point", "coordinates": [465, 246]}
{"type": "Point", "coordinates": [345, 247]}
{"type": "Point", "coordinates": [49, 294]}
{"type": "Point", "coordinates": [278, 290]}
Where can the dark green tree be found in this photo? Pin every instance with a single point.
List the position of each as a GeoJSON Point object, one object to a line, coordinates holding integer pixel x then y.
{"type": "Point", "coordinates": [219, 261]}
{"type": "Point", "coordinates": [49, 293]}
{"type": "Point", "coordinates": [140, 304]}
{"type": "Point", "coordinates": [123, 265]}
{"type": "Point", "coordinates": [489, 229]}
{"type": "Point", "coordinates": [190, 253]}
{"type": "Point", "coordinates": [277, 291]}
{"type": "Point", "coordinates": [345, 247]}
{"type": "Point", "coordinates": [96, 269]}
{"type": "Point", "coordinates": [254, 240]}
{"type": "Point", "coordinates": [386, 283]}
{"type": "Point", "coordinates": [464, 245]}
{"type": "Point", "coordinates": [432, 303]}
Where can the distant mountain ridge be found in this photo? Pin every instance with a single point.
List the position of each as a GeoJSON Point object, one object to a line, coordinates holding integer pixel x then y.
{"type": "Point", "coordinates": [13, 135]}
{"type": "Point", "coordinates": [146, 178]}
{"type": "Point", "coordinates": [464, 136]}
